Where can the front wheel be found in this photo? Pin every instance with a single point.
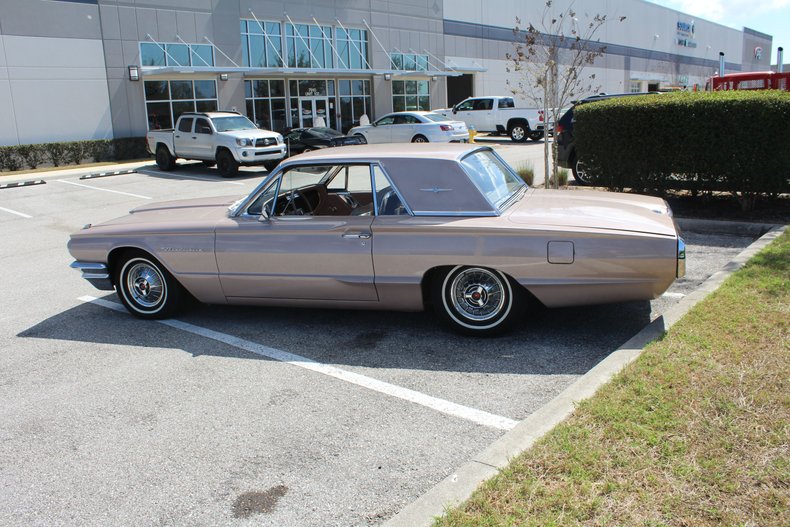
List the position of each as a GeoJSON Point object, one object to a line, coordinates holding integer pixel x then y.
{"type": "Point", "coordinates": [271, 165]}
{"type": "Point", "coordinates": [477, 301]}
{"type": "Point", "coordinates": [226, 165]}
{"type": "Point", "coordinates": [146, 288]}
{"type": "Point", "coordinates": [362, 138]}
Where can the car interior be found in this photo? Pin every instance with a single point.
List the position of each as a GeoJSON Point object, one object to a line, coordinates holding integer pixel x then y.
{"type": "Point", "coordinates": [328, 190]}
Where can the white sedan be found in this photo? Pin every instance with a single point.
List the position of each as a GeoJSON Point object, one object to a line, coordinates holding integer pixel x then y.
{"type": "Point", "coordinates": [414, 127]}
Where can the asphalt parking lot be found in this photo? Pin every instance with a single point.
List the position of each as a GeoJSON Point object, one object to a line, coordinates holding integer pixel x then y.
{"type": "Point", "coordinates": [235, 416]}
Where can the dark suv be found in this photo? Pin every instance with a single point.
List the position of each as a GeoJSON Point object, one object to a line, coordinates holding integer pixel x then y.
{"type": "Point", "coordinates": [563, 133]}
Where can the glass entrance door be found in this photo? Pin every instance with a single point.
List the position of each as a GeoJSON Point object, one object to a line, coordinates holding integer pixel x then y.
{"type": "Point", "coordinates": [311, 109]}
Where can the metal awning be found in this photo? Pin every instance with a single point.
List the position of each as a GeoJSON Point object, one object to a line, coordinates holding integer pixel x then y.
{"type": "Point", "coordinates": [258, 72]}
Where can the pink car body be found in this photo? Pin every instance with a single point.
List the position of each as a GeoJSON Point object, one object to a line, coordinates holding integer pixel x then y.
{"type": "Point", "coordinates": [426, 232]}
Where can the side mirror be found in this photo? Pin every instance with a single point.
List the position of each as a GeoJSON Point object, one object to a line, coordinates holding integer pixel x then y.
{"type": "Point", "coordinates": [374, 124]}
{"type": "Point", "coordinates": [455, 109]}
{"type": "Point", "coordinates": [264, 215]}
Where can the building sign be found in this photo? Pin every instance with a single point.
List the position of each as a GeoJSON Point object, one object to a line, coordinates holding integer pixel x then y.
{"type": "Point", "coordinates": [685, 34]}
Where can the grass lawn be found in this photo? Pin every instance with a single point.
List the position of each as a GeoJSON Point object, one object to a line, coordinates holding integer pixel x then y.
{"type": "Point", "coordinates": [696, 432]}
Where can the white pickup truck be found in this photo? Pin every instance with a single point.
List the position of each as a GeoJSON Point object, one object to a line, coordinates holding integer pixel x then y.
{"type": "Point", "coordinates": [498, 114]}
{"type": "Point", "coordinates": [225, 139]}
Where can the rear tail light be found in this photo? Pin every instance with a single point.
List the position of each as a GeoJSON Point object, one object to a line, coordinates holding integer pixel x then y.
{"type": "Point", "coordinates": [540, 115]}
{"type": "Point", "coordinates": [445, 127]}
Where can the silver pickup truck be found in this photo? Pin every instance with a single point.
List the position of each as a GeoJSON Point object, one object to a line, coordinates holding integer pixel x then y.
{"type": "Point", "coordinates": [225, 139]}
{"type": "Point", "coordinates": [498, 114]}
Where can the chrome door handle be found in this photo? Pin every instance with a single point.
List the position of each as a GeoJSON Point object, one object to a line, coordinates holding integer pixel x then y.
{"type": "Point", "coordinates": [359, 235]}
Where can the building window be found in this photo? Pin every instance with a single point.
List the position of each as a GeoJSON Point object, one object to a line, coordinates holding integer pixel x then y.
{"type": "Point", "coordinates": [266, 103]}
{"type": "Point", "coordinates": [195, 55]}
{"type": "Point", "coordinates": [165, 101]}
{"type": "Point", "coordinates": [311, 99]}
{"type": "Point", "coordinates": [355, 101]}
{"type": "Point", "coordinates": [635, 86]}
{"type": "Point", "coordinates": [409, 62]}
{"type": "Point", "coordinates": [352, 46]}
{"type": "Point", "coordinates": [411, 95]}
{"type": "Point", "coordinates": [309, 46]}
{"type": "Point", "coordinates": [261, 44]}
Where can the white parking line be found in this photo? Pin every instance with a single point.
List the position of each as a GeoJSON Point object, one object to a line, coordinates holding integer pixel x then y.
{"type": "Point", "coordinates": [181, 176]}
{"type": "Point", "coordinates": [104, 189]}
{"type": "Point", "coordinates": [440, 405]}
{"type": "Point", "coordinates": [15, 212]}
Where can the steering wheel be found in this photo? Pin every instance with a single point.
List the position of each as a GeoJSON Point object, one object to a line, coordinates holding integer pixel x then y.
{"type": "Point", "coordinates": [297, 204]}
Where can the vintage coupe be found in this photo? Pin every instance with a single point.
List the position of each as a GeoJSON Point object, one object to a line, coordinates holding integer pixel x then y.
{"type": "Point", "coordinates": [397, 227]}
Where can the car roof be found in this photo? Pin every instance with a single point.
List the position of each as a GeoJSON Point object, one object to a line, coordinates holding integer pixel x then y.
{"type": "Point", "coordinates": [447, 151]}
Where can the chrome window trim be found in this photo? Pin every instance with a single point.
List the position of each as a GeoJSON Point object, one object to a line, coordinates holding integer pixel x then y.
{"type": "Point", "coordinates": [392, 185]}
{"type": "Point", "coordinates": [460, 213]}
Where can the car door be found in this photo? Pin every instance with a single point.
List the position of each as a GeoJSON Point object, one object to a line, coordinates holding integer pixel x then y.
{"type": "Point", "coordinates": [464, 111]}
{"type": "Point", "coordinates": [182, 137]}
{"type": "Point", "coordinates": [203, 140]}
{"type": "Point", "coordinates": [381, 130]}
{"type": "Point", "coordinates": [293, 253]}
{"type": "Point", "coordinates": [483, 115]}
{"type": "Point", "coordinates": [403, 128]}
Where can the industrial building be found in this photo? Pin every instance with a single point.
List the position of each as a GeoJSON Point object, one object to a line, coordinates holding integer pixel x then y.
{"type": "Point", "coordinates": [90, 69]}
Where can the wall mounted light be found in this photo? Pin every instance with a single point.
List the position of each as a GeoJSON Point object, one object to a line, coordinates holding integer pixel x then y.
{"type": "Point", "coordinates": [134, 73]}
{"type": "Point", "coordinates": [387, 77]}
{"type": "Point", "coordinates": [434, 78]}
{"type": "Point", "coordinates": [223, 76]}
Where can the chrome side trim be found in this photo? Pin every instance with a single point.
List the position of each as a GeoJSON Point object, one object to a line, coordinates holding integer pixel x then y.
{"type": "Point", "coordinates": [96, 273]}
{"type": "Point", "coordinates": [681, 269]}
{"type": "Point", "coordinates": [461, 213]}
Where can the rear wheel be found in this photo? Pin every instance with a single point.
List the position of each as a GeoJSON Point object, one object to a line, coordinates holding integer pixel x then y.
{"type": "Point", "coordinates": [146, 288]}
{"type": "Point", "coordinates": [579, 173]}
{"type": "Point", "coordinates": [419, 139]}
{"type": "Point", "coordinates": [477, 301]}
{"type": "Point", "coordinates": [164, 160]}
{"type": "Point", "coordinates": [518, 132]}
{"type": "Point", "coordinates": [226, 165]}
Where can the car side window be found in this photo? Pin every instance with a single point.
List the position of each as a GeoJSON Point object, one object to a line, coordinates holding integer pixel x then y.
{"type": "Point", "coordinates": [466, 106]}
{"type": "Point", "coordinates": [293, 135]}
{"type": "Point", "coordinates": [387, 200]}
{"type": "Point", "coordinates": [484, 104]}
{"type": "Point", "coordinates": [410, 119]}
{"type": "Point", "coordinates": [385, 120]}
{"type": "Point", "coordinates": [202, 126]}
{"type": "Point", "coordinates": [185, 125]}
{"type": "Point", "coordinates": [506, 102]}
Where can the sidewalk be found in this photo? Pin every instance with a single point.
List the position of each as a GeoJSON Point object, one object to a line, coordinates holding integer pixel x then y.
{"type": "Point", "coordinates": [58, 172]}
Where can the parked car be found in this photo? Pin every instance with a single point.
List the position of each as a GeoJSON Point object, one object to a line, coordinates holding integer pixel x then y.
{"type": "Point", "coordinates": [227, 139]}
{"type": "Point", "coordinates": [414, 127]}
{"type": "Point", "coordinates": [300, 140]}
{"type": "Point", "coordinates": [396, 227]}
{"type": "Point", "coordinates": [563, 132]}
{"type": "Point", "coordinates": [499, 114]}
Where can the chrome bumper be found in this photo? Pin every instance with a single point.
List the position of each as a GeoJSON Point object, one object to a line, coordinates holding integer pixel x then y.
{"type": "Point", "coordinates": [681, 270]}
{"type": "Point", "coordinates": [95, 273]}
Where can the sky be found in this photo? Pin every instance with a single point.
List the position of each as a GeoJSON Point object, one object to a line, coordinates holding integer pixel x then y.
{"type": "Point", "coordinates": [766, 16]}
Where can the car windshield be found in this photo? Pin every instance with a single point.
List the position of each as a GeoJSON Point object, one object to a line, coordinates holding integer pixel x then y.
{"type": "Point", "coordinates": [435, 117]}
{"type": "Point", "coordinates": [324, 133]}
{"type": "Point", "coordinates": [231, 124]}
{"type": "Point", "coordinates": [493, 177]}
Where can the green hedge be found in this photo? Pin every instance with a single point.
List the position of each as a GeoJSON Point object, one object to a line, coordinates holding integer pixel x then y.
{"type": "Point", "coordinates": [20, 157]}
{"type": "Point", "coordinates": [737, 141]}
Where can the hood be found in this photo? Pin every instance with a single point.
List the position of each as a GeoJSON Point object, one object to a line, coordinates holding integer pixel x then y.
{"type": "Point", "coordinates": [251, 134]}
{"type": "Point", "coordinates": [184, 215]}
{"type": "Point", "coordinates": [594, 210]}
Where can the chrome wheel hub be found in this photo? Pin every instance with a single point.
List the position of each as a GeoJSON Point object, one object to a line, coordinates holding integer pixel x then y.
{"type": "Point", "coordinates": [145, 285]}
{"type": "Point", "coordinates": [517, 133]}
{"type": "Point", "coordinates": [478, 294]}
